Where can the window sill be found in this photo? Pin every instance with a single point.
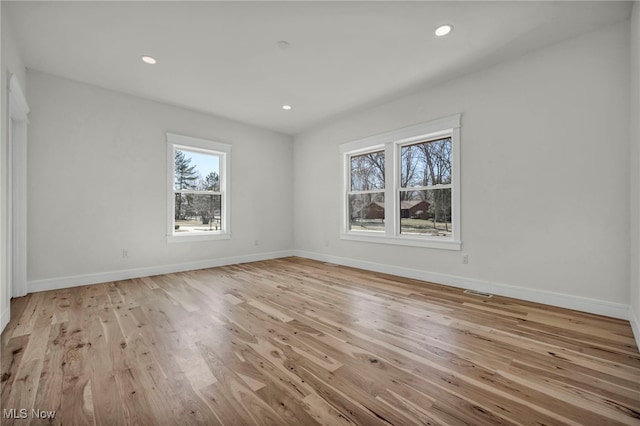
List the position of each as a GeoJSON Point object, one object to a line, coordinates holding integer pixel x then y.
{"type": "Point", "coordinates": [404, 241]}
{"type": "Point", "coordinates": [197, 237]}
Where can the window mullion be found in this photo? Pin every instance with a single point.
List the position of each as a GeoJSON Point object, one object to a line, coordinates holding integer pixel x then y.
{"type": "Point", "coordinates": [391, 224]}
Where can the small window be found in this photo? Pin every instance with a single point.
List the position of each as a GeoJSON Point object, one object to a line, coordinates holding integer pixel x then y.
{"type": "Point", "coordinates": [198, 199]}
{"type": "Point", "coordinates": [403, 187]}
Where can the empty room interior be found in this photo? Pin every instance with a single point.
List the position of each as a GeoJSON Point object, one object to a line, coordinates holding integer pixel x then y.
{"type": "Point", "coordinates": [320, 213]}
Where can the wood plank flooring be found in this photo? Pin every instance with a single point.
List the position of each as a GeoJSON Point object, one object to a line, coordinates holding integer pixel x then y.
{"type": "Point", "coordinates": [298, 342]}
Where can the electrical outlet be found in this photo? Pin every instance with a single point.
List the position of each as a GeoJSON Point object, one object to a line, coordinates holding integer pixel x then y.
{"type": "Point", "coordinates": [125, 253]}
{"type": "Point", "coordinates": [256, 243]}
{"type": "Point", "coordinates": [465, 259]}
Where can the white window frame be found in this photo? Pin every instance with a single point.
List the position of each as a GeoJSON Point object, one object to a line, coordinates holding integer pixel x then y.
{"type": "Point", "coordinates": [392, 142]}
{"type": "Point", "coordinates": [223, 151]}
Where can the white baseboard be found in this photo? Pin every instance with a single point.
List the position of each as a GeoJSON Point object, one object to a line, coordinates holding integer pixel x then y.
{"type": "Point", "coordinates": [584, 304]}
{"type": "Point", "coordinates": [5, 317]}
{"type": "Point", "coordinates": [125, 274]}
{"type": "Point", "coordinates": [635, 326]}
{"type": "Point", "coordinates": [610, 309]}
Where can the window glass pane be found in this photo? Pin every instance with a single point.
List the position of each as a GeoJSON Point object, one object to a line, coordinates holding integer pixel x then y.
{"type": "Point", "coordinates": [197, 213]}
{"type": "Point", "coordinates": [366, 212]}
{"type": "Point", "coordinates": [196, 170]}
{"type": "Point", "coordinates": [426, 163]}
{"type": "Point", "coordinates": [426, 212]}
{"type": "Point", "coordinates": [367, 171]}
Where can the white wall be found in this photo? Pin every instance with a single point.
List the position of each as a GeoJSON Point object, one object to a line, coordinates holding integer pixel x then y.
{"type": "Point", "coordinates": [97, 185]}
{"type": "Point", "coordinates": [545, 177]}
{"type": "Point", "coordinates": [10, 63]}
{"type": "Point", "coordinates": [635, 170]}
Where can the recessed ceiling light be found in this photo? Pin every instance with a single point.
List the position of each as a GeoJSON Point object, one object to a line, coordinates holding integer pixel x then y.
{"type": "Point", "coordinates": [148, 60]}
{"type": "Point", "coordinates": [443, 30]}
{"type": "Point", "coordinates": [286, 107]}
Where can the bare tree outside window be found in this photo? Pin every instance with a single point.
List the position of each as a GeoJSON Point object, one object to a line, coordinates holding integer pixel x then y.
{"type": "Point", "coordinates": [419, 203]}
{"type": "Point", "coordinates": [425, 188]}
{"type": "Point", "coordinates": [366, 194]}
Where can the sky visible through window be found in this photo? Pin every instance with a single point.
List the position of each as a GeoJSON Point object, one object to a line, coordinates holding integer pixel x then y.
{"type": "Point", "coordinates": [205, 163]}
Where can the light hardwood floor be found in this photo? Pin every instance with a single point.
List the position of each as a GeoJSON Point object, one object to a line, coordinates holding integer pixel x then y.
{"type": "Point", "coordinates": [299, 342]}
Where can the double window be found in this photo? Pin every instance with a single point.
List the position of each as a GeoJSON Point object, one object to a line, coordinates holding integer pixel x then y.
{"type": "Point", "coordinates": [198, 197]}
{"type": "Point", "coordinates": [402, 187]}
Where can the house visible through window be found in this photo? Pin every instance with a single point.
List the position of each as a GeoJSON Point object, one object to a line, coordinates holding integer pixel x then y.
{"type": "Point", "coordinates": [402, 187]}
{"type": "Point", "coordinates": [198, 199]}
{"type": "Point", "coordinates": [366, 195]}
{"type": "Point", "coordinates": [425, 188]}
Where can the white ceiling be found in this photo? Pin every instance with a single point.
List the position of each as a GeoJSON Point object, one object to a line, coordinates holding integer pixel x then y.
{"type": "Point", "coordinates": [222, 57]}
